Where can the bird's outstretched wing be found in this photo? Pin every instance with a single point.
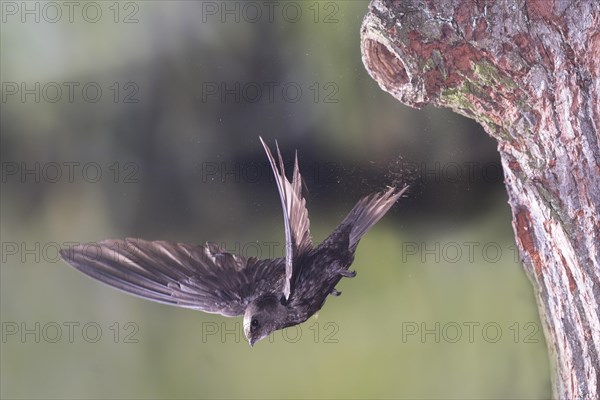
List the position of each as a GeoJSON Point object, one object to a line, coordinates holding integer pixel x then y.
{"type": "Point", "coordinates": [201, 277]}
{"type": "Point", "coordinates": [295, 215]}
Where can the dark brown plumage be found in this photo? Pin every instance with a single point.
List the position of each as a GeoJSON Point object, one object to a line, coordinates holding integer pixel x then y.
{"type": "Point", "coordinates": [271, 294]}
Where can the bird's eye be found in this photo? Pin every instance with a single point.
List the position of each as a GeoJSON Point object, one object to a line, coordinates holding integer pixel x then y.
{"type": "Point", "coordinates": [254, 323]}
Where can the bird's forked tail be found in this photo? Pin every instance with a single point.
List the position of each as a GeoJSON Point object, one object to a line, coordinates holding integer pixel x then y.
{"type": "Point", "coordinates": [368, 211]}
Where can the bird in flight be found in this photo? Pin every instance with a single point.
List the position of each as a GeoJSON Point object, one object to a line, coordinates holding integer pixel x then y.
{"type": "Point", "coordinates": [271, 294]}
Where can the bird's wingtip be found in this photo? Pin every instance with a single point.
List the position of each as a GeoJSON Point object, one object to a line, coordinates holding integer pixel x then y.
{"type": "Point", "coordinates": [64, 253]}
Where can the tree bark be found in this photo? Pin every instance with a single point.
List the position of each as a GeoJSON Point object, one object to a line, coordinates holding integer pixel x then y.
{"type": "Point", "coordinates": [529, 72]}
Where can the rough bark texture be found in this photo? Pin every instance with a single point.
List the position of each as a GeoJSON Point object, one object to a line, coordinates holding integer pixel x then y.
{"type": "Point", "coordinates": [529, 72]}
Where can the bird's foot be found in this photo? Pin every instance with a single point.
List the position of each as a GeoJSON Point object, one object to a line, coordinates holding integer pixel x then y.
{"type": "Point", "coordinates": [335, 292]}
{"type": "Point", "coordinates": [347, 274]}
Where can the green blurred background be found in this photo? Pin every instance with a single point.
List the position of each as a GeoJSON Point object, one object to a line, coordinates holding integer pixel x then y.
{"type": "Point", "coordinates": [440, 308]}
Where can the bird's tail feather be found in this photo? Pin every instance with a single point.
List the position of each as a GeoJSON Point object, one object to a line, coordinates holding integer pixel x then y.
{"type": "Point", "coordinates": [368, 211]}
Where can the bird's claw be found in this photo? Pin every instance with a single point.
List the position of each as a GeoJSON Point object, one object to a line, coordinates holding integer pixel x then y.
{"type": "Point", "coordinates": [335, 292]}
{"type": "Point", "coordinates": [348, 274]}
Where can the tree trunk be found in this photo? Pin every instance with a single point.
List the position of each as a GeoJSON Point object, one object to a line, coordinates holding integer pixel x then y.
{"type": "Point", "coordinates": [529, 72]}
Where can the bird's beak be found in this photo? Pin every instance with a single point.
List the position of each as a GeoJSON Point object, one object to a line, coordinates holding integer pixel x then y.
{"type": "Point", "coordinates": [251, 341]}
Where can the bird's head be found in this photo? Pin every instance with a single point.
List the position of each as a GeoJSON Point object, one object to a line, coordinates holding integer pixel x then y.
{"type": "Point", "coordinates": [263, 316]}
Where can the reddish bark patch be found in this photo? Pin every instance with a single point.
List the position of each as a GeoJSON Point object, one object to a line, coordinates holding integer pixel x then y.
{"type": "Point", "coordinates": [526, 236]}
{"type": "Point", "coordinates": [463, 14]}
{"type": "Point", "coordinates": [480, 29]}
{"type": "Point", "coordinates": [461, 56]}
{"type": "Point", "coordinates": [514, 166]}
{"type": "Point", "coordinates": [417, 45]}
{"type": "Point", "coordinates": [594, 47]}
{"type": "Point", "coordinates": [572, 284]}
{"type": "Point", "coordinates": [522, 40]}
{"type": "Point", "coordinates": [540, 9]}
{"type": "Point", "coordinates": [531, 50]}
